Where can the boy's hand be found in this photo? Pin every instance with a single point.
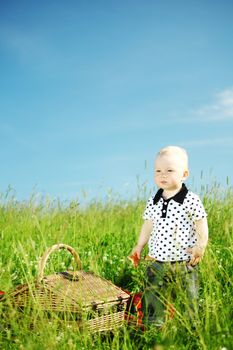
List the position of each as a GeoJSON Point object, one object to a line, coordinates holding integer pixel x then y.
{"type": "Point", "coordinates": [146, 229]}
{"type": "Point", "coordinates": [197, 253]}
{"type": "Point", "coordinates": [135, 256]}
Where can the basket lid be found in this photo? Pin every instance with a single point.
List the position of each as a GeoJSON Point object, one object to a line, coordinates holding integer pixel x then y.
{"type": "Point", "coordinates": [69, 290]}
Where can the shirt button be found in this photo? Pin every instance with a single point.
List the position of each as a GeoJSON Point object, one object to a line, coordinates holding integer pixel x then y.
{"type": "Point", "coordinates": [164, 211]}
{"type": "Point", "coordinates": [165, 203]}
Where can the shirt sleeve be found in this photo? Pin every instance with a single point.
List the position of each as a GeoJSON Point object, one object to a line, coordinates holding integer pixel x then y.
{"type": "Point", "coordinates": [197, 209]}
{"type": "Point", "coordinates": [147, 215]}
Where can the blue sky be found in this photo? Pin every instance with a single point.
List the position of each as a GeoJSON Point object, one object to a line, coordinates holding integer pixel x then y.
{"type": "Point", "coordinates": [91, 90]}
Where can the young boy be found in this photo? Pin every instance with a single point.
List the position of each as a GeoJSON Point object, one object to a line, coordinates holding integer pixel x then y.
{"type": "Point", "coordinates": [176, 231]}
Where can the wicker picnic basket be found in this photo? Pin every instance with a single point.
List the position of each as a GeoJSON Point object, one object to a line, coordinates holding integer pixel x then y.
{"type": "Point", "coordinates": [92, 301]}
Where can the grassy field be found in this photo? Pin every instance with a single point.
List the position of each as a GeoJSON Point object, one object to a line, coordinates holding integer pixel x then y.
{"type": "Point", "coordinates": [103, 235]}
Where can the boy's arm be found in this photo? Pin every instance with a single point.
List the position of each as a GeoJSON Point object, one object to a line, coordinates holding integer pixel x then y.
{"type": "Point", "coordinates": [198, 250]}
{"type": "Point", "coordinates": [143, 238]}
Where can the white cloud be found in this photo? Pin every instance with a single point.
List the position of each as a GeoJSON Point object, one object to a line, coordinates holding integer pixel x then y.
{"type": "Point", "coordinates": [25, 44]}
{"type": "Point", "coordinates": [220, 109]}
{"type": "Point", "coordinates": [17, 137]}
{"type": "Point", "coordinates": [30, 48]}
{"type": "Point", "coordinates": [220, 141]}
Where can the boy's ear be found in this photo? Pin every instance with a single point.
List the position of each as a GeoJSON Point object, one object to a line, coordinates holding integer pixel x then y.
{"type": "Point", "coordinates": [186, 174]}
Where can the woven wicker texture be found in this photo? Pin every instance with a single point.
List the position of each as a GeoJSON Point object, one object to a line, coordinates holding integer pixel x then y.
{"type": "Point", "coordinates": [97, 301]}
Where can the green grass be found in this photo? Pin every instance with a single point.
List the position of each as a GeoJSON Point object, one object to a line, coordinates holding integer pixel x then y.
{"type": "Point", "coordinates": [103, 234]}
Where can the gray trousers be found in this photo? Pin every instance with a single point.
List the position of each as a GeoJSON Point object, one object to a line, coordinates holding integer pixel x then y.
{"type": "Point", "coordinates": [166, 284]}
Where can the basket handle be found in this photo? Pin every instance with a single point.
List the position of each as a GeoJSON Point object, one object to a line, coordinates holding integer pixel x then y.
{"type": "Point", "coordinates": [52, 249]}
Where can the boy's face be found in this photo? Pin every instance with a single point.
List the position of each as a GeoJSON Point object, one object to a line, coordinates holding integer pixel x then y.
{"type": "Point", "coordinates": [170, 172]}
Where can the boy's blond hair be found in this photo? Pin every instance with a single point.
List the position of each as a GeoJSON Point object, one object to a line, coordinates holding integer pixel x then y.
{"type": "Point", "coordinates": [177, 151]}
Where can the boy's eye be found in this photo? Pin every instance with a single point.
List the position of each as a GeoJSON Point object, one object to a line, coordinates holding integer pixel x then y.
{"type": "Point", "coordinates": [170, 170]}
{"type": "Point", "coordinates": [157, 171]}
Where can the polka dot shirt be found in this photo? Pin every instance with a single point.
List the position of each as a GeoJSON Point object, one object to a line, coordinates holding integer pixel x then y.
{"type": "Point", "coordinates": [173, 224]}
